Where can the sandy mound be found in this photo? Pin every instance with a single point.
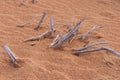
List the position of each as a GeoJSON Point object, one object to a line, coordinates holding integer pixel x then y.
{"type": "Point", "coordinates": [43, 63]}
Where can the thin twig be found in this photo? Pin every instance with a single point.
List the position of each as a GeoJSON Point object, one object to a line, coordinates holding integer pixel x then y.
{"type": "Point", "coordinates": [52, 26]}
{"type": "Point", "coordinates": [10, 53]}
{"type": "Point", "coordinates": [29, 22]}
{"type": "Point", "coordinates": [38, 37]}
{"type": "Point", "coordinates": [40, 21]}
{"type": "Point", "coordinates": [98, 49]}
{"type": "Point", "coordinates": [90, 45]}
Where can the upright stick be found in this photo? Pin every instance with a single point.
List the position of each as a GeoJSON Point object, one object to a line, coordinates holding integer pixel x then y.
{"type": "Point", "coordinates": [10, 53]}
{"type": "Point", "coordinates": [40, 21]}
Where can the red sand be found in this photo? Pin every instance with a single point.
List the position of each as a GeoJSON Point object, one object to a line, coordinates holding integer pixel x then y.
{"type": "Point", "coordinates": [41, 63]}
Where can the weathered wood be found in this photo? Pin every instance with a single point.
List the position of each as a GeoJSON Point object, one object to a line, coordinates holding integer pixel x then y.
{"type": "Point", "coordinates": [29, 22]}
{"type": "Point", "coordinates": [90, 45]}
{"type": "Point", "coordinates": [40, 21]}
{"type": "Point", "coordinates": [73, 31]}
{"type": "Point", "coordinates": [98, 49]}
{"type": "Point", "coordinates": [52, 26]}
{"type": "Point", "coordinates": [10, 53]}
{"type": "Point", "coordinates": [38, 36]}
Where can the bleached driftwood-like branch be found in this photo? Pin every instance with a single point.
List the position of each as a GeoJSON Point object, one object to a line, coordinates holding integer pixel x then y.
{"type": "Point", "coordinates": [52, 26]}
{"type": "Point", "coordinates": [89, 33]}
{"type": "Point", "coordinates": [40, 21]}
{"type": "Point", "coordinates": [10, 53]}
{"type": "Point", "coordinates": [38, 37]}
{"type": "Point", "coordinates": [73, 31]}
{"type": "Point", "coordinates": [60, 39]}
{"type": "Point", "coordinates": [28, 23]}
{"type": "Point", "coordinates": [90, 45]}
{"type": "Point", "coordinates": [98, 49]}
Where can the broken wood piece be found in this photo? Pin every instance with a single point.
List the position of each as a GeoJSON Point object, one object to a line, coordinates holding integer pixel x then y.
{"type": "Point", "coordinates": [29, 22]}
{"type": "Point", "coordinates": [98, 49]}
{"type": "Point", "coordinates": [52, 26]}
{"type": "Point", "coordinates": [90, 45]}
{"type": "Point", "coordinates": [39, 36]}
{"type": "Point", "coordinates": [40, 21]}
{"type": "Point", "coordinates": [73, 31]}
{"type": "Point", "coordinates": [10, 53]}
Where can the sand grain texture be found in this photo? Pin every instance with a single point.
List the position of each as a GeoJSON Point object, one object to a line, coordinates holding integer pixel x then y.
{"type": "Point", "coordinates": [41, 63]}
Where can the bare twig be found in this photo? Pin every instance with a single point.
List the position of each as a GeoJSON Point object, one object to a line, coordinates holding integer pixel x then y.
{"type": "Point", "coordinates": [52, 26]}
{"type": "Point", "coordinates": [38, 37]}
{"type": "Point", "coordinates": [10, 53]}
{"type": "Point", "coordinates": [40, 21]}
{"type": "Point", "coordinates": [73, 31]}
{"type": "Point", "coordinates": [98, 49]}
{"type": "Point", "coordinates": [29, 22]}
{"type": "Point", "coordinates": [84, 35]}
{"type": "Point", "coordinates": [64, 38]}
{"type": "Point", "coordinates": [90, 45]}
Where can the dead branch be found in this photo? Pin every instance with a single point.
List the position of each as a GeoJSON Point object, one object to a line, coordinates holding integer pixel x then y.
{"type": "Point", "coordinates": [90, 45]}
{"type": "Point", "coordinates": [98, 49]}
{"type": "Point", "coordinates": [40, 21]}
{"type": "Point", "coordinates": [38, 37]}
{"type": "Point", "coordinates": [10, 53]}
{"type": "Point", "coordinates": [28, 23]}
{"type": "Point", "coordinates": [52, 26]}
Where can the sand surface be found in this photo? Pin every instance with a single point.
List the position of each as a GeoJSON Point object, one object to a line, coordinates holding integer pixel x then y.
{"type": "Point", "coordinates": [43, 63]}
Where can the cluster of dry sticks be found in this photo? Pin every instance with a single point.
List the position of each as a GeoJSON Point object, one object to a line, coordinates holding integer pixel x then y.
{"type": "Point", "coordinates": [62, 39]}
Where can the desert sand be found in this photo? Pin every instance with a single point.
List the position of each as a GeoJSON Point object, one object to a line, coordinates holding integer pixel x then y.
{"type": "Point", "coordinates": [43, 63]}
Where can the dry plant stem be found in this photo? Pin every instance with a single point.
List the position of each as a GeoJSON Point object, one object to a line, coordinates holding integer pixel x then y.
{"type": "Point", "coordinates": [98, 49]}
{"type": "Point", "coordinates": [10, 53]}
{"type": "Point", "coordinates": [52, 26]}
{"type": "Point", "coordinates": [73, 31]}
{"type": "Point", "coordinates": [38, 36]}
{"type": "Point", "coordinates": [40, 21]}
{"type": "Point", "coordinates": [29, 22]}
{"type": "Point", "coordinates": [90, 45]}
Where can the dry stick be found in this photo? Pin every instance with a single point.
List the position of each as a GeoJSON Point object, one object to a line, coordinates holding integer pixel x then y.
{"type": "Point", "coordinates": [29, 22]}
{"type": "Point", "coordinates": [52, 26]}
{"type": "Point", "coordinates": [63, 38]}
{"type": "Point", "coordinates": [73, 30]}
{"type": "Point", "coordinates": [90, 45]}
{"type": "Point", "coordinates": [38, 36]}
{"type": "Point", "coordinates": [84, 35]}
{"type": "Point", "coordinates": [98, 49]}
{"type": "Point", "coordinates": [10, 53]}
{"type": "Point", "coordinates": [40, 21]}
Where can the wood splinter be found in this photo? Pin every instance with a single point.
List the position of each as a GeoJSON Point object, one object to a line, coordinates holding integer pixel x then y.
{"type": "Point", "coordinates": [34, 1]}
{"type": "Point", "coordinates": [12, 56]}
{"type": "Point", "coordinates": [40, 21]}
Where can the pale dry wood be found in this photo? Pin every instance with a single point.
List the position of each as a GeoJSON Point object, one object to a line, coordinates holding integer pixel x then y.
{"type": "Point", "coordinates": [88, 33]}
{"type": "Point", "coordinates": [40, 21]}
{"type": "Point", "coordinates": [52, 26]}
{"type": "Point", "coordinates": [98, 49]}
{"type": "Point", "coordinates": [10, 53]}
{"type": "Point", "coordinates": [29, 22]}
{"type": "Point", "coordinates": [59, 40]}
{"type": "Point", "coordinates": [90, 45]}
